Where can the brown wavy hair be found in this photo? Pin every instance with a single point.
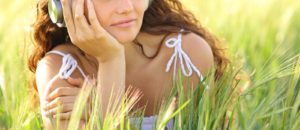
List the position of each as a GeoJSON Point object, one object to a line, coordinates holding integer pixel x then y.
{"type": "Point", "coordinates": [161, 17]}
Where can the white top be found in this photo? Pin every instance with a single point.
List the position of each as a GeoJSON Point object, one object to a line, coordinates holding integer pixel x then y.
{"type": "Point", "coordinates": [69, 64]}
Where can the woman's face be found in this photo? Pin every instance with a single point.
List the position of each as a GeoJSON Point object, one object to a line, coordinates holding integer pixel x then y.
{"type": "Point", "coordinates": [121, 18]}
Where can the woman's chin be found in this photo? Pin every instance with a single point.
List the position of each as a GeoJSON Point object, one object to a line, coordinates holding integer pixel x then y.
{"type": "Point", "coordinates": [125, 39]}
{"type": "Point", "coordinates": [123, 36]}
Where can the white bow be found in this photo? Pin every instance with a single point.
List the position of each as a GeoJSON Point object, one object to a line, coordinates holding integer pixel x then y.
{"type": "Point", "coordinates": [188, 67]}
{"type": "Point", "coordinates": [69, 64]}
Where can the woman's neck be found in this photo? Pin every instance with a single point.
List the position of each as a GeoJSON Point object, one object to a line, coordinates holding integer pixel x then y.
{"type": "Point", "coordinates": [145, 44]}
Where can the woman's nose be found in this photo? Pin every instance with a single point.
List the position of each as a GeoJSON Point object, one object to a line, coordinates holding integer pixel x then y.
{"type": "Point", "coordinates": [125, 6]}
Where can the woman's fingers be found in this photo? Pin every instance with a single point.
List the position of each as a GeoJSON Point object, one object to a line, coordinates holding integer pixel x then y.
{"type": "Point", "coordinates": [50, 86]}
{"type": "Point", "coordinates": [65, 110]}
{"type": "Point", "coordinates": [93, 17]}
{"type": "Point", "coordinates": [91, 38]}
{"type": "Point", "coordinates": [68, 17]}
{"type": "Point", "coordinates": [73, 8]}
{"type": "Point", "coordinates": [64, 116]}
{"type": "Point", "coordinates": [63, 91]}
{"type": "Point", "coordinates": [78, 82]}
{"type": "Point", "coordinates": [59, 101]}
{"type": "Point", "coordinates": [60, 109]}
{"type": "Point", "coordinates": [79, 18]}
{"type": "Point", "coordinates": [63, 106]}
{"type": "Point", "coordinates": [67, 116]}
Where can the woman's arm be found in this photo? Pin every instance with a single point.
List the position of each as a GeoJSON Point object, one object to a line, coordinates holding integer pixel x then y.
{"type": "Point", "coordinates": [87, 34]}
{"type": "Point", "coordinates": [111, 73]}
{"type": "Point", "coordinates": [46, 71]}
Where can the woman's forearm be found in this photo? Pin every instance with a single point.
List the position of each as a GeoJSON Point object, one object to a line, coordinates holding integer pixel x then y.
{"type": "Point", "coordinates": [111, 73]}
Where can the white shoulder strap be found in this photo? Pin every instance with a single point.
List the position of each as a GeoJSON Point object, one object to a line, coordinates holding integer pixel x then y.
{"type": "Point", "coordinates": [185, 60]}
{"type": "Point", "coordinates": [69, 64]}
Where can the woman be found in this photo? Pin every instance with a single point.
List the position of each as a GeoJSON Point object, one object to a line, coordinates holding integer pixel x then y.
{"type": "Point", "coordinates": [122, 43]}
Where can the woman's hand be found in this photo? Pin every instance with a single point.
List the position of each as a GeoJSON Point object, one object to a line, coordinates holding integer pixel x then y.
{"type": "Point", "coordinates": [87, 33]}
{"type": "Point", "coordinates": [63, 99]}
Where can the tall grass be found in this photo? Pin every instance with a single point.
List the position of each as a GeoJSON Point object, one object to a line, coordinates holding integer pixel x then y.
{"type": "Point", "coordinates": [260, 89]}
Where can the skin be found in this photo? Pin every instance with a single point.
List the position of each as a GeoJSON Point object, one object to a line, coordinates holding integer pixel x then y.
{"type": "Point", "coordinates": [114, 60]}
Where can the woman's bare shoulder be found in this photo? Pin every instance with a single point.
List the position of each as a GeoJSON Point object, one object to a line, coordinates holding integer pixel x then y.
{"type": "Point", "coordinates": [65, 48]}
{"type": "Point", "coordinates": [196, 47]}
{"type": "Point", "coordinates": [199, 51]}
{"type": "Point", "coordinates": [46, 72]}
{"type": "Point", "coordinates": [53, 60]}
{"type": "Point", "coordinates": [50, 64]}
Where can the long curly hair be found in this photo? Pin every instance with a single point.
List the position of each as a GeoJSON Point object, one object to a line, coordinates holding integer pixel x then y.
{"type": "Point", "coordinates": [161, 17]}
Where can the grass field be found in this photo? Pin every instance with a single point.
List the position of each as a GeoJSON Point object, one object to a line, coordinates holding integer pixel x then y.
{"type": "Point", "coordinates": [263, 39]}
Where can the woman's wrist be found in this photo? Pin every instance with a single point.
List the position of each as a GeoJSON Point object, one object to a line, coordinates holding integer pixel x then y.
{"type": "Point", "coordinates": [118, 55]}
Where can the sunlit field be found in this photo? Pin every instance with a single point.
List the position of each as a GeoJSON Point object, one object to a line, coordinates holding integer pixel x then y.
{"type": "Point", "coordinates": [260, 89]}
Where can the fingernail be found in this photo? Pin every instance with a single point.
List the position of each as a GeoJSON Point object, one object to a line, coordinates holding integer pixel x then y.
{"type": "Point", "coordinates": [45, 107]}
{"type": "Point", "coordinates": [48, 98]}
{"type": "Point", "coordinates": [44, 98]}
{"type": "Point", "coordinates": [49, 114]}
{"type": "Point", "coordinates": [44, 113]}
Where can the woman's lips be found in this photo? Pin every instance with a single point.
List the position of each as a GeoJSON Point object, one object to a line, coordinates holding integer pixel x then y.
{"type": "Point", "coordinates": [124, 23]}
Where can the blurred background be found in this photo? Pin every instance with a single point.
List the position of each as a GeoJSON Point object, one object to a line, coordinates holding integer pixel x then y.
{"type": "Point", "coordinates": [260, 34]}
